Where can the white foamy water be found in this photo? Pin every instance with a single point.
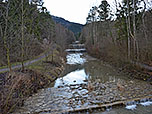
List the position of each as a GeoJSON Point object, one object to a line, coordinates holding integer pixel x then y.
{"type": "Point", "coordinates": [75, 50]}
{"type": "Point", "coordinates": [148, 103]}
{"type": "Point", "coordinates": [131, 107]}
{"type": "Point", "coordinates": [75, 58]}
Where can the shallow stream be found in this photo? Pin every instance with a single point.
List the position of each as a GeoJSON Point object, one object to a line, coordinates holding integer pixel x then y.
{"type": "Point", "coordinates": [88, 83]}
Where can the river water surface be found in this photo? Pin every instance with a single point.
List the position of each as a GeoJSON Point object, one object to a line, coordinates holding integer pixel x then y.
{"type": "Point", "coordinates": [88, 83]}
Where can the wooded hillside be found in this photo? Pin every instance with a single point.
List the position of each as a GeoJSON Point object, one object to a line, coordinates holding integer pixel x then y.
{"type": "Point", "coordinates": [121, 37]}
{"type": "Point", "coordinates": [74, 27]}
{"type": "Point", "coordinates": [27, 30]}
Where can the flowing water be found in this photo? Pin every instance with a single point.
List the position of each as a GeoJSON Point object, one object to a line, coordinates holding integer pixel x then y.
{"type": "Point", "coordinates": [87, 84]}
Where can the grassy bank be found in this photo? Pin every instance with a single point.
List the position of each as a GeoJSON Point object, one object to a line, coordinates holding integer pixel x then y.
{"type": "Point", "coordinates": [19, 63]}
{"type": "Point", "coordinates": [18, 85]}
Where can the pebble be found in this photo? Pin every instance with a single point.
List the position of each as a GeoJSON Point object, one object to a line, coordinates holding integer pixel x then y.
{"type": "Point", "coordinates": [78, 96]}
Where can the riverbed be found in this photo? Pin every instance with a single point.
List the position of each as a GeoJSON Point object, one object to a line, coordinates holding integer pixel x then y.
{"type": "Point", "coordinates": [89, 85]}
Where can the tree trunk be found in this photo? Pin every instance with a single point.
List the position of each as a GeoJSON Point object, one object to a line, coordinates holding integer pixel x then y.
{"type": "Point", "coordinates": [5, 40]}
{"type": "Point", "coordinates": [92, 35]}
{"type": "Point", "coordinates": [128, 31]}
{"type": "Point", "coordinates": [136, 45]}
{"type": "Point", "coordinates": [144, 29]}
{"type": "Point", "coordinates": [22, 30]}
{"type": "Point", "coordinates": [52, 55]}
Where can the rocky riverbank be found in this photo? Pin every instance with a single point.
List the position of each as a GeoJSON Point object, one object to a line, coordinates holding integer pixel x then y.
{"type": "Point", "coordinates": [87, 96]}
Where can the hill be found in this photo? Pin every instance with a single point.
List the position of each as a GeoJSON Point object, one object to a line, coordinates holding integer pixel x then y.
{"type": "Point", "coordinates": [74, 27]}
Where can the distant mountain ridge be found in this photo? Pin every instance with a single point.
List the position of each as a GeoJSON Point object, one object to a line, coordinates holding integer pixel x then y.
{"type": "Point", "coordinates": [74, 27]}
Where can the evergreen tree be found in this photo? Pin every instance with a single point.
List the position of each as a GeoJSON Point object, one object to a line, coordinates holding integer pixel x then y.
{"type": "Point", "coordinates": [104, 11]}
{"type": "Point", "coordinates": [92, 15]}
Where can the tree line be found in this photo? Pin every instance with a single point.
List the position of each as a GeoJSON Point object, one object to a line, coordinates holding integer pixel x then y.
{"type": "Point", "coordinates": [122, 34]}
{"type": "Point", "coordinates": [27, 30]}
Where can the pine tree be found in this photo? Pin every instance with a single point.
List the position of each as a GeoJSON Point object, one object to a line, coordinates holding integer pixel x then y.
{"type": "Point", "coordinates": [104, 11]}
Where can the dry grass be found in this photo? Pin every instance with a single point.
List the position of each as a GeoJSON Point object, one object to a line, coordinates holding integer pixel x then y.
{"type": "Point", "coordinates": [19, 85]}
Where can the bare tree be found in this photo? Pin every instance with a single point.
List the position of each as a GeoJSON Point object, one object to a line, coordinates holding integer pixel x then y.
{"type": "Point", "coordinates": [22, 33]}
{"type": "Point", "coordinates": [4, 33]}
{"type": "Point", "coordinates": [128, 30]}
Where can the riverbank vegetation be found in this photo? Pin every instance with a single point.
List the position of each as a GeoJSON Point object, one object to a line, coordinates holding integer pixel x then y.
{"type": "Point", "coordinates": [20, 85]}
{"type": "Point", "coordinates": [26, 31]}
{"type": "Point", "coordinates": [121, 36]}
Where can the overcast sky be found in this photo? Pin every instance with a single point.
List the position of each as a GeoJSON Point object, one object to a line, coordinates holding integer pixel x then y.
{"type": "Point", "coordinates": [72, 10]}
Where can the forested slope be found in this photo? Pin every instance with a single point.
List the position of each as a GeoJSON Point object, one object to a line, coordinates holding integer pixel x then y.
{"type": "Point", "coordinates": [122, 39]}
{"type": "Point", "coordinates": [27, 30]}
{"type": "Point", "coordinates": [28, 35]}
{"type": "Point", "coordinates": [74, 27]}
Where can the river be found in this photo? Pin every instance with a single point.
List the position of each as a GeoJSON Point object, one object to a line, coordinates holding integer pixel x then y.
{"type": "Point", "coordinates": [88, 86]}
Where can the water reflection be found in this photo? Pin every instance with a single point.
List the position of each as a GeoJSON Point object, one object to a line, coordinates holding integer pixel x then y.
{"type": "Point", "coordinates": [88, 82]}
{"type": "Point", "coordinates": [80, 69]}
{"type": "Point", "coordinates": [89, 70]}
{"type": "Point", "coordinates": [98, 70]}
{"type": "Point", "coordinates": [75, 77]}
